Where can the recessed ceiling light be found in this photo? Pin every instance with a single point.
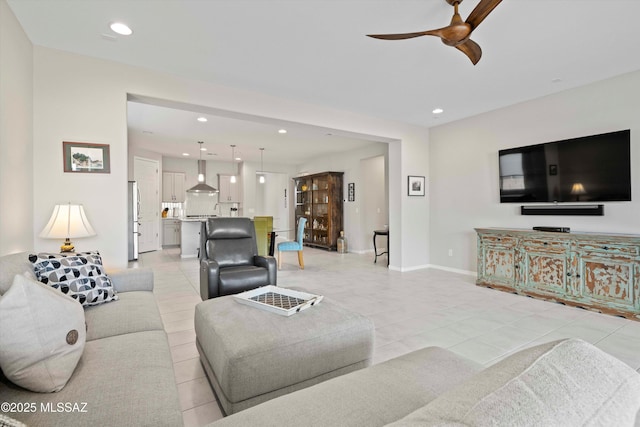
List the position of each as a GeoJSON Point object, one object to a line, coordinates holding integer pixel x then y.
{"type": "Point", "coordinates": [238, 158]}
{"type": "Point", "coordinates": [120, 28]}
{"type": "Point", "coordinates": [282, 131]}
{"type": "Point", "coordinates": [202, 119]}
{"type": "Point", "coordinates": [438, 111]}
{"type": "Point", "coordinates": [185, 154]}
{"type": "Point", "coordinates": [203, 149]}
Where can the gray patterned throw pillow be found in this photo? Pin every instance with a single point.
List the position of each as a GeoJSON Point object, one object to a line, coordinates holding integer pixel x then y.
{"type": "Point", "coordinates": [79, 275]}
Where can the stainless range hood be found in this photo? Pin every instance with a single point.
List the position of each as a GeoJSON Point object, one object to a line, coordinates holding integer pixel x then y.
{"type": "Point", "coordinates": [201, 187]}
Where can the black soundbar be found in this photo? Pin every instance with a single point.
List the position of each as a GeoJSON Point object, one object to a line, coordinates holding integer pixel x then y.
{"type": "Point", "coordinates": [553, 229]}
{"type": "Point", "coordinates": [594, 210]}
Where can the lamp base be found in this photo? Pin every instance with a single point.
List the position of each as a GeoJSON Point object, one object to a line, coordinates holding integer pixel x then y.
{"type": "Point", "coordinates": [67, 246]}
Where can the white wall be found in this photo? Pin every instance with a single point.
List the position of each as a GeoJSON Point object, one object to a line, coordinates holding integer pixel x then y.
{"type": "Point", "coordinates": [77, 98]}
{"type": "Point", "coordinates": [355, 213]}
{"type": "Point", "coordinates": [270, 200]}
{"type": "Point", "coordinates": [250, 206]}
{"type": "Point", "coordinates": [16, 135]}
{"type": "Point", "coordinates": [464, 164]}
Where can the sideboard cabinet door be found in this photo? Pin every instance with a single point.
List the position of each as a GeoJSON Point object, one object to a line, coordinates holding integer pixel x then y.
{"type": "Point", "coordinates": [497, 261]}
{"type": "Point", "coordinates": [608, 275]}
{"type": "Point", "coordinates": [546, 266]}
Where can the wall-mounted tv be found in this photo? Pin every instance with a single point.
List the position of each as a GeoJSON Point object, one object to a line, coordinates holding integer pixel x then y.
{"type": "Point", "coordinates": [594, 168]}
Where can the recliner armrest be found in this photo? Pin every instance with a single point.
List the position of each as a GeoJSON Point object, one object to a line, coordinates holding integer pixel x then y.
{"type": "Point", "coordinates": [270, 264]}
{"type": "Point", "coordinates": [209, 279]}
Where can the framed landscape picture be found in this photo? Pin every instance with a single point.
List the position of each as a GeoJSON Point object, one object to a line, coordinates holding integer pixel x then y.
{"type": "Point", "coordinates": [86, 157]}
{"type": "Point", "coordinates": [416, 185]}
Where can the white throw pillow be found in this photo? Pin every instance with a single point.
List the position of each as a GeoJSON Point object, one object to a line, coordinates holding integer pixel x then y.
{"type": "Point", "coordinates": [42, 335]}
{"type": "Point", "coordinates": [562, 383]}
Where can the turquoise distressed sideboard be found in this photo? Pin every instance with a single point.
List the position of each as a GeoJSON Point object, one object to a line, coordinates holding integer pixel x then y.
{"type": "Point", "coordinates": [591, 270]}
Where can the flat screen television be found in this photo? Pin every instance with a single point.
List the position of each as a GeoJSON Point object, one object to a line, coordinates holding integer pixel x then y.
{"type": "Point", "coordinates": [594, 168]}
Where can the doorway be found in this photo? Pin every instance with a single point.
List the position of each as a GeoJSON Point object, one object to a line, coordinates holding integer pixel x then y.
{"type": "Point", "coordinates": [374, 199]}
{"type": "Point", "coordinates": [145, 172]}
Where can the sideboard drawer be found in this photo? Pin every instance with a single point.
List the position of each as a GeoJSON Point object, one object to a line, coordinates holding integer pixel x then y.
{"type": "Point", "coordinates": [508, 241]}
{"type": "Point", "coordinates": [607, 249]}
{"type": "Point", "coordinates": [545, 245]}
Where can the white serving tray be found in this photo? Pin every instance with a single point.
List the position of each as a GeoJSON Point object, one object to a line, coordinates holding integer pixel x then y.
{"type": "Point", "coordinates": [275, 299]}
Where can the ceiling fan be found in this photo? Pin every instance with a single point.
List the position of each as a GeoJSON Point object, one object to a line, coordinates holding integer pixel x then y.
{"type": "Point", "coordinates": [457, 33]}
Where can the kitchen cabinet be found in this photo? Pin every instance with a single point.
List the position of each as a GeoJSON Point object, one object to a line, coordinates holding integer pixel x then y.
{"type": "Point", "coordinates": [590, 270]}
{"type": "Point", "coordinates": [173, 187]}
{"type": "Point", "coordinates": [319, 199]}
{"type": "Point", "coordinates": [229, 192]}
{"type": "Point", "coordinates": [170, 232]}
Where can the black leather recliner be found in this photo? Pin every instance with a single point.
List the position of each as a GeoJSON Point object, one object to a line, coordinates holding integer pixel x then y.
{"type": "Point", "coordinates": [229, 260]}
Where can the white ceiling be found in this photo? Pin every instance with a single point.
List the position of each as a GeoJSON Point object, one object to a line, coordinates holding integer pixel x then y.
{"type": "Point", "coordinates": [316, 51]}
{"type": "Point", "coordinates": [173, 129]}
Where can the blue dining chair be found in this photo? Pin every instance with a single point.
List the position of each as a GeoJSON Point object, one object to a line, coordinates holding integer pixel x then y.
{"type": "Point", "coordinates": [293, 246]}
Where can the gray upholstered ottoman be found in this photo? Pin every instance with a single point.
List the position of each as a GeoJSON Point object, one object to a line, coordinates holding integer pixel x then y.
{"type": "Point", "coordinates": [251, 355]}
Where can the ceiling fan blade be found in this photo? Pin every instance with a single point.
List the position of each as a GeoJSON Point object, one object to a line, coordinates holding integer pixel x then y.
{"type": "Point", "coordinates": [481, 11]}
{"type": "Point", "coordinates": [405, 35]}
{"type": "Point", "coordinates": [471, 49]}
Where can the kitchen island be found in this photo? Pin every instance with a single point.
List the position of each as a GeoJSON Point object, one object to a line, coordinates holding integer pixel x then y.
{"type": "Point", "coordinates": [190, 235]}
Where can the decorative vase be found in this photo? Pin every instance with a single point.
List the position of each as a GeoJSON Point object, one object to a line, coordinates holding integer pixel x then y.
{"type": "Point", "coordinates": [342, 243]}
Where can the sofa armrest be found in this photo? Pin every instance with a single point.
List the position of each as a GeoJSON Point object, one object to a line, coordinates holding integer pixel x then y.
{"type": "Point", "coordinates": [209, 279]}
{"type": "Point", "coordinates": [270, 264]}
{"type": "Point", "coordinates": [132, 279]}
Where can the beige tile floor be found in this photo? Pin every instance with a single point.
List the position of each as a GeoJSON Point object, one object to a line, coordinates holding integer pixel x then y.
{"type": "Point", "coordinates": [411, 310]}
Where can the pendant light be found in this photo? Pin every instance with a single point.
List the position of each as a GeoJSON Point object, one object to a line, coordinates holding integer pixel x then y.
{"type": "Point", "coordinates": [201, 175]}
{"type": "Point", "coordinates": [201, 187]}
{"type": "Point", "coordinates": [261, 166]}
{"type": "Point", "coordinates": [233, 164]}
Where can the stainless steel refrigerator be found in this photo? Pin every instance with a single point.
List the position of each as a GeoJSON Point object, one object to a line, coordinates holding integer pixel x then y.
{"type": "Point", "coordinates": [133, 211]}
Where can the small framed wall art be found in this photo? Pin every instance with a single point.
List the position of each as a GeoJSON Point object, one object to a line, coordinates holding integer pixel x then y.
{"type": "Point", "coordinates": [415, 185]}
{"type": "Point", "coordinates": [86, 157]}
{"type": "Point", "coordinates": [351, 191]}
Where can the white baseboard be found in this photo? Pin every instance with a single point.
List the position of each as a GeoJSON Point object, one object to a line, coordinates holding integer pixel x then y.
{"type": "Point", "coordinates": [454, 270]}
{"type": "Point", "coordinates": [362, 252]}
{"type": "Point", "coordinates": [404, 270]}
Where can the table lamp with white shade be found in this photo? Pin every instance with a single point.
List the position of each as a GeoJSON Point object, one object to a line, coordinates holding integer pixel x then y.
{"type": "Point", "coordinates": [67, 221]}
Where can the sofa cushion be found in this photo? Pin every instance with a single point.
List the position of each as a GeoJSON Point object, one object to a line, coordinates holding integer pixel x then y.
{"type": "Point", "coordinates": [10, 422]}
{"type": "Point", "coordinates": [370, 397]}
{"type": "Point", "coordinates": [124, 380]}
{"type": "Point", "coordinates": [567, 382]}
{"type": "Point", "coordinates": [133, 312]}
{"type": "Point", "coordinates": [81, 276]}
{"type": "Point", "coordinates": [42, 335]}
